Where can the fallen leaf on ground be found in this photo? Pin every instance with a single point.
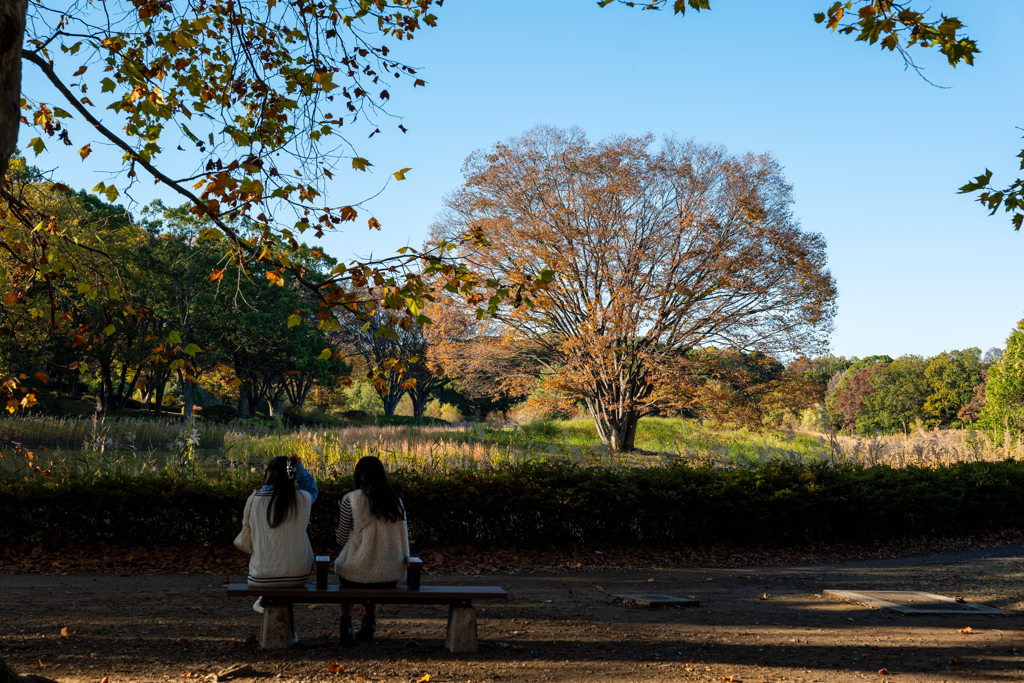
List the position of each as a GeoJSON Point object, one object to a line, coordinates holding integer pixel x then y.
{"type": "Point", "coordinates": [960, 599]}
{"type": "Point", "coordinates": [650, 580]}
{"type": "Point", "coordinates": [314, 606]}
{"type": "Point", "coordinates": [44, 666]}
{"type": "Point", "coordinates": [599, 589]}
{"type": "Point", "coordinates": [883, 672]}
{"type": "Point", "coordinates": [335, 668]}
{"type": "Point", "coordinates": [966, 631]}
{"type": "Point", "coordinates": [64, 632]}
{"type": "Point", "coordinates": [765, 596]}
{"type": "Point", "coordinates": [183, 641]}
{"type": "Point", "coordinates": [424, 679]}
{"type": "Point", "coordinates": [106, 679]}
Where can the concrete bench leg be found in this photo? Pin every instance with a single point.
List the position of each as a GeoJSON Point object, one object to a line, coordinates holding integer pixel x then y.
{"type": "Point", "coordinates": [461, 629]}
{"type": "Point", "coordinates": [276, 633]}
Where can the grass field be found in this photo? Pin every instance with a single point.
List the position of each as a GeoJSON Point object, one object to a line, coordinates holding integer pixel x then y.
{"type": "Point", "coordinates": [130, 445]}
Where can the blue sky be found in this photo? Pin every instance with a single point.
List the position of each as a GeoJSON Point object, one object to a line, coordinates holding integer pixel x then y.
{"type": "Point", "coordinates": [874, 153]}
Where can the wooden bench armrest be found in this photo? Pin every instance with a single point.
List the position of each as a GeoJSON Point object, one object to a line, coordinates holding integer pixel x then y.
{"type": "Point", "coordinates": [413, 574]}
{"type": "Point", "coordinates": [323, 565]}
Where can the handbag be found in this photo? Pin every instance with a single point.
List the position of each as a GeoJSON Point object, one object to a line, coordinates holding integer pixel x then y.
{"type": "Point", "coordinates": [243, 541]}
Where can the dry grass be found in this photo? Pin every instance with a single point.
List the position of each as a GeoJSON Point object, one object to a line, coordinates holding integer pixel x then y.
{"type": "Point", "coordinates": [928, 449]}
{"type": "Point", "coordinates": [117, 432]}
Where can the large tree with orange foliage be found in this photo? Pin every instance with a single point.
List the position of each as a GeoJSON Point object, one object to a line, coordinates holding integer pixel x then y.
{"type": "Point", "coordinates": [657, 252]}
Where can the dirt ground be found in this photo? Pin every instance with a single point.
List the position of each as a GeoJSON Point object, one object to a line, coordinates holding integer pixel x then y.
{"type": "Point", "coordinates": [753, 624]}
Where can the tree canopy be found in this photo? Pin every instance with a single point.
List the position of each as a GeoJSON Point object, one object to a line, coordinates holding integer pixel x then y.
{"type": "Point", "coordinates": [656, 253]}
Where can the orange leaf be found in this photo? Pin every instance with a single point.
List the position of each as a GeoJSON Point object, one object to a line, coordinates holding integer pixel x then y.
{"type": "Point", "coordinates": [335, 668]}
{"type": "Point", "coordinates": [374, 224]}
{"type": "Point", "coordinates": [966, 631]}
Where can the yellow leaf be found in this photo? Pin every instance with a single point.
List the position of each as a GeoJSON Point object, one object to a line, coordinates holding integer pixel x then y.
{"type": "Point", "coordinates": [425, 679]}
{"type": "Point", "coordinates": [325, 354]}
{"type": "Point", "coordinates": [85, 151]}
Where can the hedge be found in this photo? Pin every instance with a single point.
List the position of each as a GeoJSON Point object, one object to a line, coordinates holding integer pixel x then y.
{"type": "Point", "coordinates": [533, 505]}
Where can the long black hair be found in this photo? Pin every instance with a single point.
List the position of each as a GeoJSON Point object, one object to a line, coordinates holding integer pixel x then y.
{"type": "Point", "coordinates": [372, 479]}
{"type": "Point", "coordinates": [281, 475]}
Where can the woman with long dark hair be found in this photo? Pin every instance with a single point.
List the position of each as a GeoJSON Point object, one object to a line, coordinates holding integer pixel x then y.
{"type": "Point", "coordinates": [277, 516]}
{"type": "Point", "coordinates": [374, 542]}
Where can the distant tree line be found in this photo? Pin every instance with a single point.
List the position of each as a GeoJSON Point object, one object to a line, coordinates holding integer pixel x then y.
{"type": "Point", "coordinates": [954, 389]}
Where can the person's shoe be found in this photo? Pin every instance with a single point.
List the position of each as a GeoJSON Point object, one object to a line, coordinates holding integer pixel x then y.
{"type": "Point", "coordinates": [295, 637]}
{"type": "Point", "coordinates": [365, 632]}
{"type": "Point", "coordinates": [258, 605]}
{"type": "Point", "coordinates": [345, 632]}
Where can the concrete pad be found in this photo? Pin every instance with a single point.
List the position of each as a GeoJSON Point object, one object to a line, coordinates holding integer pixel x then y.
{"type": "Point", "coordinates": [653, 600]}
{"type": "Point", "coordinates": [913, 602]}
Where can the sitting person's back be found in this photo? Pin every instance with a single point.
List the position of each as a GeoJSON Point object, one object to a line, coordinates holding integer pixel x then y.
{"type": "Point", "coordinates": [374, 540]}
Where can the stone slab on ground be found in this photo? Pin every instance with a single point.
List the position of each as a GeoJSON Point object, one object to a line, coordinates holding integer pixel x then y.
{"type": "Point", "coordinates": [653, 600]}
{"type": "Point", "coordinates": [913, 602]}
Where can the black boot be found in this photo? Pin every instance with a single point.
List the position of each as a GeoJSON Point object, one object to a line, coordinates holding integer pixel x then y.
{"type": "Point", "coordinates": [365, 632]}
{"type": "Point", "coordinates": [347, 639]}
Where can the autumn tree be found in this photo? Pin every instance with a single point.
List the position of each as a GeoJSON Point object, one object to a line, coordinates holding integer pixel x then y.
{"type": "Point", "coordinates": [243, 108]}
{"type": "Point", "coordinates": [657, 252]}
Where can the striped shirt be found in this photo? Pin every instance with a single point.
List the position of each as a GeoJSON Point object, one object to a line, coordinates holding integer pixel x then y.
{"type": "Point", "coordinates": [344, 524]}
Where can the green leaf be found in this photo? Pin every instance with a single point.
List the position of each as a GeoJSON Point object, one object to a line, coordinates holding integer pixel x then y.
{"type": "Point", "coordinates": [174, 337]}
{"type": "Point", "coordinates": [192, 349]}
{"type": "Point", "coordinates": [38, 145]}
{"type": "Point", "coordinates": [324, 355]}
{"type": "Point", "coordinates": [294, 320]}
{"type": "Point", "coordinates": [400, 175]}
{"type": "Point", "coordinates": [109, 330]}
{"type": "Point", "coordinates": [358, 163]}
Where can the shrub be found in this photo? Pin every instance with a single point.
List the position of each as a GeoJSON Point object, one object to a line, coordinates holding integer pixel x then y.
{"type": "Point", "coordinates": [442, 411]}
{"type": "Point", "coordinates": [221, 414]}
{"type": "Point", "coordinates": [777, 504]}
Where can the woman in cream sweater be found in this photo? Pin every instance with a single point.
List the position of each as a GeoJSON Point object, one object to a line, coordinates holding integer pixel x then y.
{"type": "Point", "coordinates": [277, 516]}
{"type": "Point", "coordinates": [374, 542]}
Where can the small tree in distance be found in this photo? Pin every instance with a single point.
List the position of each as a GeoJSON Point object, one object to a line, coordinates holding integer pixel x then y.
{"type": "Point", "coordinates": [656, 253]}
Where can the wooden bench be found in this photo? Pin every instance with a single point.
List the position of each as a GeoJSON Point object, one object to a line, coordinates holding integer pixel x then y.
{"type": "Point", "coordinates": [276, 633]}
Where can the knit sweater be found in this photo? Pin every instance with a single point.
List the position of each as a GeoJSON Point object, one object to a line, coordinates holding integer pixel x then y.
{"type": "Point", "coordinates": [374, 550]}
{"type": "Point", "coordinates": [282, 556]}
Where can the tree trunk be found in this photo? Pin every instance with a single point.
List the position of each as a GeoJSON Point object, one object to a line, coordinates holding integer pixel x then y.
{"type": "Point", "coordinates": [187, 395]}
{"type": "Point", "coordinates": [418, 403]}
{"type": "Point", "coordinates": [160, 396]}
{"type": "Point", "coordinates": [617, 431]}
{"type": "Point", "coordinates": [243, 405]}
{"type": "Point", "coordinates": [106, 386]}
{"type": "Point", "coordinates": [12, 34]}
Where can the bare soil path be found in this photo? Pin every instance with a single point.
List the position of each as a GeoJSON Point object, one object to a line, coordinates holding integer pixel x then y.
{"type": "Point", "coordinates": [753, 624]}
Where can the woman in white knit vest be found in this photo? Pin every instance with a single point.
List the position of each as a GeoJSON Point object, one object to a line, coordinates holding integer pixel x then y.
{"type": "Point", "coordinates": [277, 516]}
{"type": "Point", "coordinates": [374, 542]}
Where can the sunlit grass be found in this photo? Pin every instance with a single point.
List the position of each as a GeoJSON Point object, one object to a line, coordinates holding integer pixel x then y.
{"type": "Point", "coordinates": [237, 450]}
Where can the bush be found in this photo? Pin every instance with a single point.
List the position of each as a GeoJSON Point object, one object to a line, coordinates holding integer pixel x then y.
{"type": "Point", "coordinates": [442, 411]}
{"type": "Point", "coordinates": [220, 413]}
{"type": "Point", "coordinates": [778, 505]}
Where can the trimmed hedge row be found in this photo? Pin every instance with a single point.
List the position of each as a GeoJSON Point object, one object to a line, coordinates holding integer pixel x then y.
{"type": "Point", "coordinates": [774, 505]}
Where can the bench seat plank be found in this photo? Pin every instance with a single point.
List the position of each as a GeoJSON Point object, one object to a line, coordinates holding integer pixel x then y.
{"type": "Point", "coordinates": [426, 595]}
